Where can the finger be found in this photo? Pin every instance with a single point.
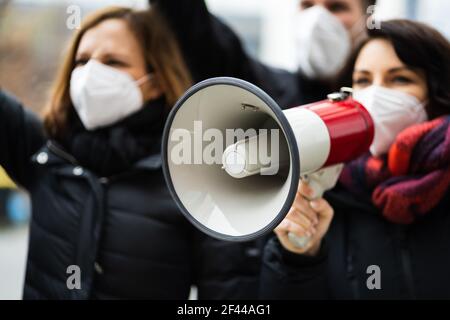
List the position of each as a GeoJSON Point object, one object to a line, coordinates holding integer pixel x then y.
{"type": "Point", "coordinates": [283, 231]}
{"type": "Point", "coordinates": [285, 241]}
{"type": "Point", "coordinates": [299, 217]}
{"type": "Point", "coordinates": [307, 223]}
{"type": "Point", "coordinates": [282, 227]}
{"type": "Point", "coordinates": [322, 207]}
{"type": "Point", "coordinates": [305, 190]}
{"type": "Point", "coordinates": [297, 229]}
{"type": "Point", "coordinates": [303, 206]}
{"type": "Point", "coordinates": [283, 237]}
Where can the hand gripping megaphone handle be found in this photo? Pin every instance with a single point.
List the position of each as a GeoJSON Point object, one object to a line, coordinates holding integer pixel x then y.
{"type": "Point", "coordinates": [319, 181]}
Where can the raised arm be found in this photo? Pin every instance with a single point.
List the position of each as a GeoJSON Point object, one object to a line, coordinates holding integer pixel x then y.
{"type": "Point", "coordinates": [21, 135]}
{"type": "Point", "coordinates": [212, 49]}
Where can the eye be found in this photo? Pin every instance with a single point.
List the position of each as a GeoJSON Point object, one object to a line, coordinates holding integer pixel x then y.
{"type": "Point", "coordinates": [80, 62]}
{"type": "Point", "coordinates": [115, 62]}
{"type": "Point", "coordinates": [402, 80]}
{"type": "Point", "coordinates": [306, 5]}
{"type": "Point", "coordinates": [338, 7]}
{"type": "Point", "coordinates": [361, 81]}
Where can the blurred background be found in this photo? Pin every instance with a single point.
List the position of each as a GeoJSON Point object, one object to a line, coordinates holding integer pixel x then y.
{"type": "Point", "coordinates": [34, 35]}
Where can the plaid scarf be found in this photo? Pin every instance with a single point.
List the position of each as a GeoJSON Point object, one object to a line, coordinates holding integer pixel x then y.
{"type": "Point", "coordinates": [412, 179]}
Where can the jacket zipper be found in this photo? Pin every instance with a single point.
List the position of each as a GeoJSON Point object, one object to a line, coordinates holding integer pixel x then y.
{"type": "Point", "coordinates": [406, 264]}
{"type": "Point", "coordinates": [351, 276]}
{"type": "Point", "coordinates": [101, 199]}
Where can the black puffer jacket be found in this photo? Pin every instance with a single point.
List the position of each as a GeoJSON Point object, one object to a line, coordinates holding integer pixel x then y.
{"type": "Point", "coordinates": [414, 260]}
{"type": "Point", "coordinates": [125, 233]}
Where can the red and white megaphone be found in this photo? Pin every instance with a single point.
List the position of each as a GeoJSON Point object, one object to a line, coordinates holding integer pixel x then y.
{"type": "Point", "coordinates": [223, 187]}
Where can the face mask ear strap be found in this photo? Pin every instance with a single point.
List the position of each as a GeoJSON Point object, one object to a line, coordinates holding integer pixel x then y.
{"type": "Point", "coordinates": [425, 105]}
{"type": "Point", "coordinates": [144, 79]}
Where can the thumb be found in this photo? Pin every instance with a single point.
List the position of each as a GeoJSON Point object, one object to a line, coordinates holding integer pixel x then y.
{"type": "Point", "coordinates": [322, 207]}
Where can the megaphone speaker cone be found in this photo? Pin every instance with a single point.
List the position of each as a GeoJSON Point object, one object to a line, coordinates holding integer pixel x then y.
{"type": "Point", "coordinates": [213, 200]}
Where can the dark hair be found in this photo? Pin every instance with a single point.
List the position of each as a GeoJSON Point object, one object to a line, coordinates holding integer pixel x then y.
{"type": "Point", "coordinates": [367, 3]}
{"type": "Point", "coordinates": [420, 47]}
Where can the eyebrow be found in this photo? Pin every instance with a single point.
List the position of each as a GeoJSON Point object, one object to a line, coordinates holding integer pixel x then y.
{"type": "Point", "coordinates": [82, 54]}
{"type": "Point", "coordinates": [107, 55]}
{"type": "Point", "coordinates": [115, 55]}
{"type": "Point", "coordinates": [392, 70]}
{"type": "Point", "coordinates": [329, 2]}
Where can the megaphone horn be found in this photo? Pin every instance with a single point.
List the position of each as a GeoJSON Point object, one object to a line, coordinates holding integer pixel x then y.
{"type": "Point", "coordinates": [233, 159]}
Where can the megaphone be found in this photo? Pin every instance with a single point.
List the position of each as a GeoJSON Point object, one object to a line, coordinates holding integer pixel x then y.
{"type": "Point", "coordinates": [213, 179]}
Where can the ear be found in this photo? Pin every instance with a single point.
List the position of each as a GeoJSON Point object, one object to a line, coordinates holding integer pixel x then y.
{"type": "Point", "coordinates": [152, 89]}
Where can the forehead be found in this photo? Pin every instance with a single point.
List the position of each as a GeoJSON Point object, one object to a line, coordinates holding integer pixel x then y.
{"type": "Point", "coordinates": [112, 35]}
{"type": "Point", "coordinates": [378, 55]}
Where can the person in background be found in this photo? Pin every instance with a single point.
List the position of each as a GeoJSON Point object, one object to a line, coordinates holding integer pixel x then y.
{"type": "Point", "coordinates": [383, 232]}
{"type": "Point", "coordinates": [102, 213]}
{"type": "Point", "coordinates": [326, 32]}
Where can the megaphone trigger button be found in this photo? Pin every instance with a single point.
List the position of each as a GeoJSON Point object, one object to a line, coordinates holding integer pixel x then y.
{"type": "Point", "coordinates": [335, 97]}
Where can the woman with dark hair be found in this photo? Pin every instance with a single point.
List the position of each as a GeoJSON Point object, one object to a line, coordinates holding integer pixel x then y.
{"type": "Point", "coordinates": [383, 232]}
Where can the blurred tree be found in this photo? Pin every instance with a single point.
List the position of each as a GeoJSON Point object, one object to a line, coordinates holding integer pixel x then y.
{"type": "Point", "coordinates": [3, 5]}
{"type": "Point", "coordinates": [32, 40]}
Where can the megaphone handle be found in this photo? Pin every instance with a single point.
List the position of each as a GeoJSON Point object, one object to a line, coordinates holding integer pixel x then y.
{"type": "Point", "coordinates": [320, 181]}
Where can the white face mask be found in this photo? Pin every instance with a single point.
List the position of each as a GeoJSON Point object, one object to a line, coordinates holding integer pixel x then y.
{"type": "Point", "coordinates": [323, 45]}
{"type": "Point", "coordinates": [392, 111]}
{"type": "Point", "coordinates": [103, 95]}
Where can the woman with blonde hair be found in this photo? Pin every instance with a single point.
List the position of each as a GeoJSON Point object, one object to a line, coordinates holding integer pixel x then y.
{"type": "Point", "coordinates": [103, 222]}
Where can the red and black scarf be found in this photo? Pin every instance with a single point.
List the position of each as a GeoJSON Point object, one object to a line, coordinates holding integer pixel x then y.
{"type": "Point", "coordinates": [412, 179]}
